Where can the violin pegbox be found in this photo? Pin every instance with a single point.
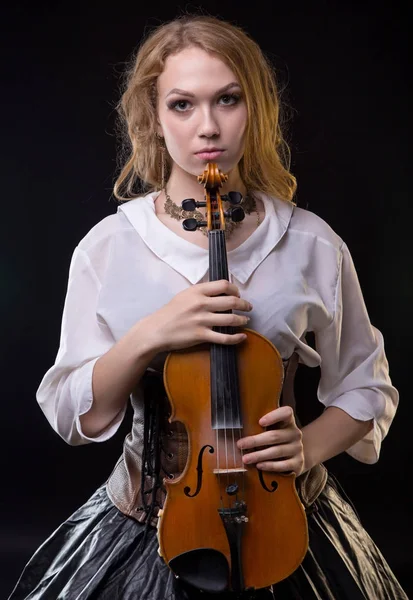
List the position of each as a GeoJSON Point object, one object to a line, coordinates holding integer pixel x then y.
{"type": "Point", "coordinates": [212, 179]}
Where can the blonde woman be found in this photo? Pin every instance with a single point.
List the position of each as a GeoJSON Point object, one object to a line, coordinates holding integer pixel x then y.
{"type": "Point", "coordinates": [201, 90]}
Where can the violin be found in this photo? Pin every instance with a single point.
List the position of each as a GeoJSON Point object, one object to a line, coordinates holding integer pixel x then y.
{"type": "Point", "coordinates": [226, 525]}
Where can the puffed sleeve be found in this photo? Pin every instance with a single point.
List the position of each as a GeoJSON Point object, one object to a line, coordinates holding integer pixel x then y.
{"type": "Point", "coordinates": [354, 368]}
{"type": "Point", "coordinates": [65, 391]}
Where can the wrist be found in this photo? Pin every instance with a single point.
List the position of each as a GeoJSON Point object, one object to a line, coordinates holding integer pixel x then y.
{"type": "Point", "coordinates": [145, 341]}
{"type": "Point", "coordinates": [333, 432]}
{"type": "Point", "coordinates": [309, 459]}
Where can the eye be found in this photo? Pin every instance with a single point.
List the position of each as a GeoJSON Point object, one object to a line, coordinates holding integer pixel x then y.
{"type": "Point", "coordinates": [176, 105]}
{"type": "Point", "coordinates": [234, 97]}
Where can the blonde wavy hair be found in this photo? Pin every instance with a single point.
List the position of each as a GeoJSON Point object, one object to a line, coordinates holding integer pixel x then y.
{"type": "Point", "coordinates": [266, 161]}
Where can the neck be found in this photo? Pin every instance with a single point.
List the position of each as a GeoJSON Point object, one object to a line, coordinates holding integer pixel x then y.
{"type": "Point", "coordinates": [183, 185]}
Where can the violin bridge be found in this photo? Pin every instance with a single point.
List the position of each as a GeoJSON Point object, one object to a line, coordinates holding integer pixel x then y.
{"type": "Point", "coordinates": [228, 471]}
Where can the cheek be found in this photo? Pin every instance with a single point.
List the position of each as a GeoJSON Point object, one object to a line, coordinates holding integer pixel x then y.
{"type": "Point", "coordinates": [239, 125]}
{"type": "Point", "coordinates": [176, 137]}
{"type": "Point", "coordinates": [239, 138]}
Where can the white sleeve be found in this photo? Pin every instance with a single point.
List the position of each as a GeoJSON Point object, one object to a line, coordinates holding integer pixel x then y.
{"type": "Point", "coordinates": [354, 368]}
{"type": "Point", "coordinates": [65, 391]}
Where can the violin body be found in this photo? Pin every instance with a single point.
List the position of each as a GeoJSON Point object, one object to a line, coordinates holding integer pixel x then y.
{"type": "Point", "coordinates": [226, 524]}
{"type": "Point", "coordinates": [204, 530]}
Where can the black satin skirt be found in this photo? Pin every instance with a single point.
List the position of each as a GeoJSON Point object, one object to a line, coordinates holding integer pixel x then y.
{"type": "Point", "coordinates": [95, 555]}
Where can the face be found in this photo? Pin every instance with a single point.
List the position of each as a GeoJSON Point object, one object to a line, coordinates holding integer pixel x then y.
{"type": "Point", "coordinates": [200, 105]}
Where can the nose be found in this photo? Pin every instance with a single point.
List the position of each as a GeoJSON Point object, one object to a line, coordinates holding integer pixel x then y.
{"type": "Point", "coordinates": [209, 125]}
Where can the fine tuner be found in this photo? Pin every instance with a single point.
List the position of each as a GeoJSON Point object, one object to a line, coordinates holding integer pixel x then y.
{"type": "Point", "coordinates": [235, 213]}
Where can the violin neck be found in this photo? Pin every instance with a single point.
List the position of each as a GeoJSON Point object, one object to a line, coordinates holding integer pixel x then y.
{"type": "Point", "coordinates": [225, 398]}
{"type": "Point", "coordinates": [218, 262]}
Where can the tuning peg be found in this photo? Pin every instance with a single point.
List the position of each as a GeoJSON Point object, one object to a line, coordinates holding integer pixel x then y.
{"type": "Point", "coordinates": [193, 224]}
{"type": "Point", "coordinates": [190, 204]}
{"type": "Point", "coordinates": [236, 214]}
{"type": "Point", "coordinates": [232, 197]}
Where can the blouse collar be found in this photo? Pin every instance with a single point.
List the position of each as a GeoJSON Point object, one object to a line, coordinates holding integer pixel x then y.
{"type": "Point", "coordinates": [191, 260]}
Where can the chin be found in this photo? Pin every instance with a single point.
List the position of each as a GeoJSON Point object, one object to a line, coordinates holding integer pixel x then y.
{"type": "Point", "coordinates": [223, 165]}
{"type": "Point", "coordinates": [197, 169]}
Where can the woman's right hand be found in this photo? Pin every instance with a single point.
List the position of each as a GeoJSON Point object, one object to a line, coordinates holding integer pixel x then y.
{"type": "Point", "coordinates": [188, 319]}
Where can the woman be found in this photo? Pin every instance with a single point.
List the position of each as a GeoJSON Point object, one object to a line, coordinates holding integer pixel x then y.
{"type": "Point", "coordinates": [200, 90]}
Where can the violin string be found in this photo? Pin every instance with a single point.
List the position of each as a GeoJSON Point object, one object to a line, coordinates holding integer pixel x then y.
{"type": "Point", "coordinates": [237, 432]}
{"type": "Point", "coordinates": [232, 373]}
{"type": "Point", "coordinates": [223, 365]}
{"type": "Point", "coordinates": [235, 375]}
{"type": "Point", "coordinates": [234, 402]}
{"type": "Point", "coordinates": [219, 247]}
{"type": "Point", "coordinates": [220, 378]}
{"type": "Point", "coordinates": [214, 379]}
{"type": "Point", "coordinates": [213, 382]}
{"type": "Point", "coordinates": [243, 473]}
{"type": "Point", "coordinates": [218, 353]}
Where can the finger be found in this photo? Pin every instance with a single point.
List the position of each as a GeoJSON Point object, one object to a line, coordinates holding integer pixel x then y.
{"type": "Point", "coordinates": [228, 339]}
{"type": "Point", "coordinates": [221, 303]}
{"type": "Point", "coordinates": [283, 415]}
{"type": "Point", "coordinates": [225, 320]}
{"type": "Point", "coordinates": [283, 451]}
{"type": "Point", "coordinates": [221, 286]}
{"type": "Point", "coordinates": [269, 438]}
{"type": "Point", "coordinates": [281, 466]}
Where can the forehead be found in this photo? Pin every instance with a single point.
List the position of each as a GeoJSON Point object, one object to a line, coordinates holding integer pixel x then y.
{"type": "Point", "coordinates": [192, 68]}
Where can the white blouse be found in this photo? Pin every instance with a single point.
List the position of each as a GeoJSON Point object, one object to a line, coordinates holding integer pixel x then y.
{"type": "Point", "coordinates": [296, 272]}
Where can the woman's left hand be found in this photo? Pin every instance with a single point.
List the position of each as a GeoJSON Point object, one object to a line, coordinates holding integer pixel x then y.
{"type": "Point", "coordinates": [278, 449]}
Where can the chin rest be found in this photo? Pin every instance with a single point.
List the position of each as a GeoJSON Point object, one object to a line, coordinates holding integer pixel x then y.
{"type": "Point", "coordinates": [204, 568]}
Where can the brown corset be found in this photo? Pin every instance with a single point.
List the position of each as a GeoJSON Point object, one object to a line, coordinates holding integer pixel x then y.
{"type": "Point", "coordinates": [124, 484]}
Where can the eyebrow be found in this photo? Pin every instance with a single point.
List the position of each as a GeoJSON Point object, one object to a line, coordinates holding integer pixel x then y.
{"type": "Point", "coordinates": [220, 91]}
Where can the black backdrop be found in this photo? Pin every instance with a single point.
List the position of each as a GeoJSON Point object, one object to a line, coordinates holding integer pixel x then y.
{"type": "Point", "coordinates": [345, 67]}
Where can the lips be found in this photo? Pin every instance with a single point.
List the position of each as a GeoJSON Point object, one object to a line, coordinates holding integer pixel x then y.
{"type": "Point", "coordinates": [209, 155]}
{"type": "Point", "coordinates": [209, 149]}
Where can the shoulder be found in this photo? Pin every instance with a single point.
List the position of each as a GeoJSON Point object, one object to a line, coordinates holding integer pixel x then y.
{"type": "Point", "coordinates": [109, 227]}
{"type": "Point", "coordinates": [100, 233]}
{"type": "Point", "coordinates": [305, 223]}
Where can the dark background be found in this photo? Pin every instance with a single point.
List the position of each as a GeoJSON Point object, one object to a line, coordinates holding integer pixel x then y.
{"type": "Point", "coordinates": [346, 69]}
